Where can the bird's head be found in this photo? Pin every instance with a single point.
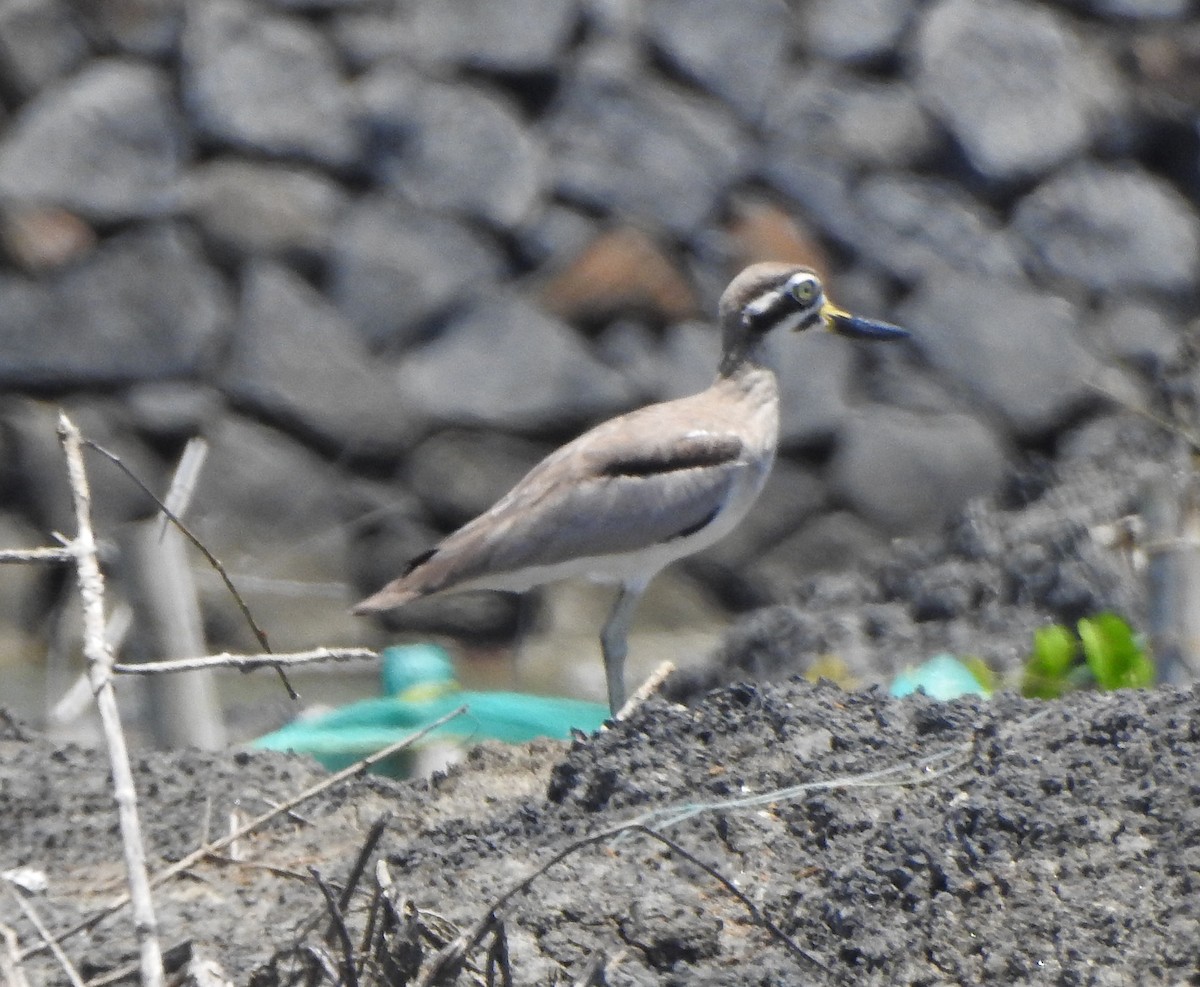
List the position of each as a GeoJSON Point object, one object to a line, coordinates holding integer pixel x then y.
{"type": "Point", "coordinates": [768, 297]}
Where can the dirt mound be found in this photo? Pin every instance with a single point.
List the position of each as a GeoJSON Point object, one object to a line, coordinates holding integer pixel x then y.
{"type": "Point", "coordinates": [1007, 841]}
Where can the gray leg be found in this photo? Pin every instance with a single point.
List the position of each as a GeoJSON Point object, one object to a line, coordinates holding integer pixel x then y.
{"type": "Point", "coordinates": [614, 642]}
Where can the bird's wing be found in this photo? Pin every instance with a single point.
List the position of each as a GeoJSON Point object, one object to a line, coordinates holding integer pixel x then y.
{"type": "Point", "coordinates": [632, 482]}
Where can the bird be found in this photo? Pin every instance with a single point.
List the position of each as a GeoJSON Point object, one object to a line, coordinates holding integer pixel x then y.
{"type": "Point", "coordinates": [639, 491]}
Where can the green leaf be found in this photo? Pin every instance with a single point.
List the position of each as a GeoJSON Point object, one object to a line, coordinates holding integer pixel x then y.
{"type": "Point", "coordinates": [1113, 653]}
{"type": "Point", "coordinates": [1048, 669]}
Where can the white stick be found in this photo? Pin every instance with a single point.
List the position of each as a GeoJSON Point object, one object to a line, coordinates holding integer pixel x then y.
{"type": "Point", "coordinates": [246, 662]}
{"type": "Point", "coordinates": [100, 660]}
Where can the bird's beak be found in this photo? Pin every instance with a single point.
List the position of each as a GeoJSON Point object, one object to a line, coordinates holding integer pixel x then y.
{"type": "Point", "coordinates": [844, 324]}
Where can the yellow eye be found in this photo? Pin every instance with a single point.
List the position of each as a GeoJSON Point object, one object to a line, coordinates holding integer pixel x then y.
{"type": "Point", "coordinates": [805, 290]}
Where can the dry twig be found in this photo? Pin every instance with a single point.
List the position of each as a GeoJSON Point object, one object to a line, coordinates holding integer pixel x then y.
{"type": "Point", "coordinates": [246, 663]}
{"type": "Point", "coordinates": [21, 555]}
{"type": "Point", "coordinates": [191, 859]}
{"type": "Point", "coordinates": [100, 660]}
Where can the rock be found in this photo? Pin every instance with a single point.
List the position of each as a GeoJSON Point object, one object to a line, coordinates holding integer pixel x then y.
{"type": "Point", "coordinates": [831, 116]}
{"type": "Point", "coordinates": [1141, 335]}
{"type": "Point", "coordinates": [266, 83]}
{"type": "Point", "coordinates": [394, 268]}
{"type": "Point", "coordinates": [734, 51]}
{"type": "Point", "coordinates": [908, 473]}
{"type": "Point", "coordinates": [273, 513]}
{"type": "Point", "coordinates": [255, 208]}
{"type": "Point", "coordinates": [459, 474]}
{"type": "Point", "coordinates": [107, 143]}
{"type": "Point", "coordinates": [451, 147]}
{"type": "Point", "coordinates": [1112, 228]}
{"type": "Point", "coordinates": [319, 6]}
{"type": "Point", "coordinates": [172, 411]}
{"type": "Point", "coordinates": [643, 151]}
{"type": "Point", "coordinates": [519, 37]}
{"type": "Point", "coordinates": [853, 30]}
{"type": "Point", "coordinates": [911, 225]}
{"type": "Point", "coordinates": [43, 238]}
{"type": "Point", "coordinates": [505, 364]}
{"type": "Point", "coordinates": [1013, 83]}
{"type": "Point", "coordinates": [831, 542]}
{"type": "Point", "coordinates": [553, 232]}
{"type": "Point", "coordinates": [814, 373]}
{"type": "Point", "coordinates": [1014, 349]}
{"type": "Point", "coordinates": [38, 44]}
{"type": "Point", "coordinates": [33, 474]}
{"type": "Point", "coordinates": [148, 28]}
{"type": "Point", "coordinates": [620, 270]}
{"type": "Point", "coordinates": [143, 306]}
{"type": "Point", "coordinates": [1127, 10]}
{"type": "Point", "coordinates": [296, 359]}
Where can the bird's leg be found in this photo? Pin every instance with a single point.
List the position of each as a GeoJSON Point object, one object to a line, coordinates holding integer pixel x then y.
{"type": "Point", "coordinates": [614, 640]}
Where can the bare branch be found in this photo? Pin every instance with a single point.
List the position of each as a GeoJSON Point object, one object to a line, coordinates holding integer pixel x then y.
{"type": "Point", "coordinates": [245, 662]}
{"type": "Point", "coordinates": [21, 555]}
{"type": "Point", "coordinates": [259, 634]}
{"type": "Point", "coordinates": [28, 910]}
{"type": "Point", "coordinates": [100, 660]}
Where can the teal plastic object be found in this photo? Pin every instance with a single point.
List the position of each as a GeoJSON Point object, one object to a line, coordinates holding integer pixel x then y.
{"type": "Point", "coordinates": [425, 690]}
{"type": "Point", "coordinates": [941, 677]}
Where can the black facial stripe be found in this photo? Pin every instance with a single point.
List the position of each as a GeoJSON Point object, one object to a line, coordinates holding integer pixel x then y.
{"type": "Point", "coordinates": [765, 319]}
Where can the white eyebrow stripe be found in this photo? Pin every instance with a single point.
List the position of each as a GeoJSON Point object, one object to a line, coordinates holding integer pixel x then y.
{"type": "Point", "coordinates": [762, 303]}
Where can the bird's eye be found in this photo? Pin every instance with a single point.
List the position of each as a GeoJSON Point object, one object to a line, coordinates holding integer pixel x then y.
{"type": "Point", "coordinates": [805, 290]}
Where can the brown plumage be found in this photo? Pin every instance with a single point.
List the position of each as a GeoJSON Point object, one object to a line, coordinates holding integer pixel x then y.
{"type": "Point", "coordinates": [638, 491]}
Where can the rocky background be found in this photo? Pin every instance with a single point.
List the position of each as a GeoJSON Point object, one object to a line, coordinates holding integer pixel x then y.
{"type": "Point", "coordinates": [385, 254]}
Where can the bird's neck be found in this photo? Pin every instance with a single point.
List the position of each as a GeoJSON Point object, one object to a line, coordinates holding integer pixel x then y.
{"type": "Point", "coordinates": [746, 358]}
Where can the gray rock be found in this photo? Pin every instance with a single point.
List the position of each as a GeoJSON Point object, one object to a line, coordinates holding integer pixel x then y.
{"type": "Point", "coordinates": [106, 142]}
{"type": "Point", "coordinates": [33, 474]}
{"type": "Point", "coordinates": [911, 225]}
{"type": "Point", "coordinates": [819, 187]}
{"type": "Point", "coordinates": [297, 360]}
{"type": "Point", "coordinates": [266, 83]}
{"type": "Point", "coordinates": [451, 147]}
{"type": "Point", "coordinates": [1141, 335]}
{"type": "Point", "coordinates": [273, 512]}
{"type": "Point", "coordinates": [1127, 10]}
{"type": "Point", "coordinates": [506, 364]}
{"type": "Point", "coordinates": [393, 268]}
{"type": "Point", "coordinates": [517, 36]}
{"type": "Point", "coordinates": [148, 28]}
{"type": "Point", "coordinates": [1013, 348]}
{"type": "Point", "coordinates": [828, 543]}
{"type": "Point", "coordinates": [38, 44]}
{"type": "Point", "coordinates": [319, 6]}
{"type": "Point", "coordinates": [173, 411]}
{"type": "Point", "coordinates": [1112, 228]}
{"type": "Point", "coordinates": [144, 306]}
{"type": "Point", "coordinates": [853, 30]}
{"type": "Point", "coordinates": [1013, 83]}
{"type": "Point", "coordinates": [814, 373]}
{"type": "Point", "coordinates": [833, 116]}
{"type": "Point", "coordinates": [556, 232]}
{"type": "Point", "coordinates": [459, 474]}
{"type": "Point", "coordinates": [255, 208]}
{"type": "Point", "coordinates": [908, 473]}
{"type": "Point", "coordinates": [734, 51]}
{"type": "Point", "coordinates": [644, 151]}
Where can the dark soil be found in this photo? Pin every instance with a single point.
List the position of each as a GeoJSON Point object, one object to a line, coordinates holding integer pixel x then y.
{"type": "Point", "coordinates": [923, 843]}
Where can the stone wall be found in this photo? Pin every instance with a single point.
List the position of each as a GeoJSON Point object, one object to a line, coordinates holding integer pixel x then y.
{"type": "Point", "coordinates": [385, 254]}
